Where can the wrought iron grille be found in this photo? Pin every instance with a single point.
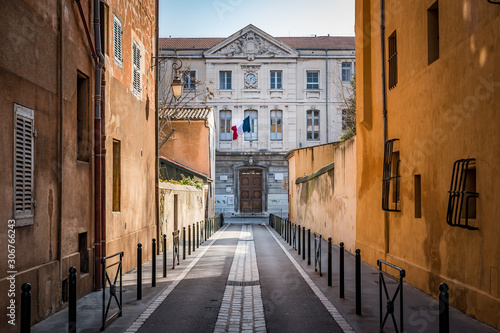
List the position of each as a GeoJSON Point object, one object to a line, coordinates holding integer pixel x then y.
{"type": "Point", "coordinates": [458, 194]}
{"type": "Point", "coordinates": [391, 178]}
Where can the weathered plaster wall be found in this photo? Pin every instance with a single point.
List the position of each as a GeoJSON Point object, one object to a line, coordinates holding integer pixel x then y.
{"type": "Point", "coordinates": [440, 112]}
{"type": "Point", "coordinates": [29, 65]}
{"type": "Point", "coordinates": [325, 200]}
{"type": "Point", "coordinates": [130, 118]}
{"type": "Point", "coordinates": [191, 208]}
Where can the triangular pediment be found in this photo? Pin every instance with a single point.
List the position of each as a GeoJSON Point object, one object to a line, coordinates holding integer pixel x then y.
{"type": "Point", "coordinates": [251, 43]}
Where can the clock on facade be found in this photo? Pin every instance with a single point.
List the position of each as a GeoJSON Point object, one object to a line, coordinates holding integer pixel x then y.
{"type": "Point", "coordinates": [251, 78]}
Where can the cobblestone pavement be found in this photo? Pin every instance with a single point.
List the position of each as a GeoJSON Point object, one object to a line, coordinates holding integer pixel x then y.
{"type": "Point", "coordinates": [242, 309]}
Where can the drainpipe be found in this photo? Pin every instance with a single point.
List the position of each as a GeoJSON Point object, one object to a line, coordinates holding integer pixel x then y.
{"type": "Point", "coordinates": [98, 175]}
{"type": "Point", "coordinates": [326, 79]}
{"type": "Point", "coordinates": [382, 50]}
{"type": "Point", "coordinates": [103, 161]}
{"type": "Point", "coordinates": [60, 128]}
{"type": "Point", "coordinates": [157, 146]}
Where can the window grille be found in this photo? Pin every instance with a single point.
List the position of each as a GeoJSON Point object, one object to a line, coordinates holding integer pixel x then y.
{"type": "Point", "coordinates": [312, 125]}
{"type": "Point", "coordinates": [225, 80]}
{"type": "Point", "coordinates": [276, 80]}
{"type": "Point", "coordinates": [136, 50]}
{"type": "Point", "coordinates": [393, 61]}
{"type": "Point", "coordinates": [462, 194]}
{"type": "Point", "coordinates": [117, 39]}
{"type": "Point", "coordinates": [225, 125]}
{"type": "Point", "coordinates": [346, 71]}
{"type": "Point", "coordinates": [276, 125]}
{"type": "Point", "coordinates": [24, 131]}
{"type": "Point", "coordinates": [312, 80]}
{"type": "Point", "coordinates": [391, 178]}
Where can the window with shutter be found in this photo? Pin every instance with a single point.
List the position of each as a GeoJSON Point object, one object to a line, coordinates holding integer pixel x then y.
{"type": "Point", "coordinates": [23, 164]}
{"type": "Point", "coordinates": [136, 64]}
{"type": "Point", "coordinates": [117, 40]}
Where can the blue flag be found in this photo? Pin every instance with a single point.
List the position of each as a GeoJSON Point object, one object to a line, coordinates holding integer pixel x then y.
{"type": "Point", "coordinates": [246, 124]}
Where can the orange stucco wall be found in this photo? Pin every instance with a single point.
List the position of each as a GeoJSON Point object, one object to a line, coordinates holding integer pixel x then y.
{"type": "Point", "coordinates": [440, 113]}
{"type": "Point", "coordinates": [189, 145]}
{"type": "Point", "coordinates": [326, 201]}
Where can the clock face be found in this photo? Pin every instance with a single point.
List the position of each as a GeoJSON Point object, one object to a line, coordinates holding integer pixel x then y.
{"type": "Point", "coordinates": [251, 78]}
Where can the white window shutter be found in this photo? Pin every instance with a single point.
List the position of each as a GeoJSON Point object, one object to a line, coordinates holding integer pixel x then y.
{"type": "Point", "coordinates": [136, 65]}
{"type": "Point", "coordinates": [23, 161]}
{"type": "Point", "coordinates": [117, 39]}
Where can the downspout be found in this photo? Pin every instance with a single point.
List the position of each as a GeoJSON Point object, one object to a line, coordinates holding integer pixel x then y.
{"type": "Point", "coordinates": [98, 176]}
{"type": "Point", "coordinates": [382, 50]}
{"type": "Point", "coordinates": [157, 115]}
{"type": "Point", "coordinates": [326, 79]}
{"type": "Point", "coordinates": [60, 128]}
{"type": "Point", "coordinates": [103, 161]}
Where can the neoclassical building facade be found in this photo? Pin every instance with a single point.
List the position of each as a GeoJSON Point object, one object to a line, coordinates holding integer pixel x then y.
{"type": "Point", "coordinates": [290, 87]}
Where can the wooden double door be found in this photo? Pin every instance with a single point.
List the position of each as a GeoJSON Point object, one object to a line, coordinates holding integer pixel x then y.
{"type": "Point", "coordinates": [251, 191]}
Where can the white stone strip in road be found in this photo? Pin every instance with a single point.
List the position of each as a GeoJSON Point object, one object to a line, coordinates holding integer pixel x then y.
{"type": "Point", "coordinates": [156, 303]}
{"type": "Point", "coordinates": [344, 325]}
{"type": "Point", "coordinates": [242, 309]}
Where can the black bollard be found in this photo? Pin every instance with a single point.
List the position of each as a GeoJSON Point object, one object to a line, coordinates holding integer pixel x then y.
{"type": "Point", "coordinates": [194, 237]}
{"type": "Point", "coordinates": [26, 308]}
{"type": "Point", "coordinates": [139, 271]}
{"type": "Point", "coordinates": [189, 240]}
{"type": "Point", "coordinates": [341, 270]}
{"type": "Point", "coordinates": [164, 255]}
{"type": "Point", "coordinates": [197, 234]}
{"type": "Point", "coordinates": [153, 266]}
{"type": "Point", "coordinates": [329, 261]}
{"type": "Point", "coordinates": [308, 246]}
{"type": "Point", "coordinates": [298, 241]}
{"type": "Point", "coordinates": [72, 301]}
{"type": "Point", "coordinates": [444, 309]}
{"type": "Point", "coordinates": [303, 243]}
{"type": "Point", "coordinates": [183, 243]}
{"type": "Point", "coordinates": [358, 281]}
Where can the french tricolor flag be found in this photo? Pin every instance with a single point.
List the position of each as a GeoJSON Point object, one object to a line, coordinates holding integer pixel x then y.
{"type": "Point", "coordinates": [243, 126]}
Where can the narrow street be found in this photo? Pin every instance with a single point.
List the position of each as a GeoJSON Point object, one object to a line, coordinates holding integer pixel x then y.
{"type": "Point", "coordinates": [243, 283]}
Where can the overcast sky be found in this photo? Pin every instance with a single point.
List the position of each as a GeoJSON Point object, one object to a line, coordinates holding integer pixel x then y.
{"type": "Point", "coordinates": [280, 18]}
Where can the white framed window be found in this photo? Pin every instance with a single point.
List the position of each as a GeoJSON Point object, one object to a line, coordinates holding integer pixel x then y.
{"type": "Point", "coordinates": [312, 125]}
{"type": "Point", "coordinates": [276, 125]}
{"type": "Point", "coordinates": [136, 68]}
{"type": "Point", "coordinates": [346, 71]}
{"type": "Point", "coordinates": [312, 80]}
{"type": "Point", "coordinates": [225, 80]}
{"type": "Point", "coordinates": [24, 132]}
{"type": "Point", "coordinates": [225, 117]}
{"type": "Point", "coordinates": [276, 81]}
{"type": "Point", "coordinates": [189, 79]}
{"type": "Point", "coordinates": [117, 40]}
{"type": "Point", "coordinates": [254, 117]}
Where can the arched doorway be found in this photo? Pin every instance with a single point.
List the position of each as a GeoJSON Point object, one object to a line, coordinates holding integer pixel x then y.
{"type": "Point", "coordinates": [250, 190]}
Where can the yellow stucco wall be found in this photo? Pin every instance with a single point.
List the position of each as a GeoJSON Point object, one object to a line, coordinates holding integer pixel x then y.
{"type": "Point", "coordinates": [326, 202]}
{"type": "Point", "coordinates": [440, 113]}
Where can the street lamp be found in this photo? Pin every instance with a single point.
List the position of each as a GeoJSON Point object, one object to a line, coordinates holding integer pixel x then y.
{"type": "Point", "coordinates": [177, 82]}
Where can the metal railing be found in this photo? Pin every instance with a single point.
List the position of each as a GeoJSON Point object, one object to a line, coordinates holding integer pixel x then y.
{"type": "Point", "coordinates": [175, 247]}
{"type": "Point", "coordinates": [317, 253]}
{"type": "Point", "coordinates": [112, 289]}
{"type": "Point", "coordinates": [390, 300]}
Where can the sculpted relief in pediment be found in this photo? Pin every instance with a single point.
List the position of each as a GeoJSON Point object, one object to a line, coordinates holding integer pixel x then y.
{"type": "Point", "coordinates": [250, 44]}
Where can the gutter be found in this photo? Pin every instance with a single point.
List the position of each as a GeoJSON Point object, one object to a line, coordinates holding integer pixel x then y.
{"type": "Point", "coordinates": [157, 115]}
{"type": "Point", "coordinates": [60, 129]}
{"type": "Point", "coordinates": [99, 195]}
